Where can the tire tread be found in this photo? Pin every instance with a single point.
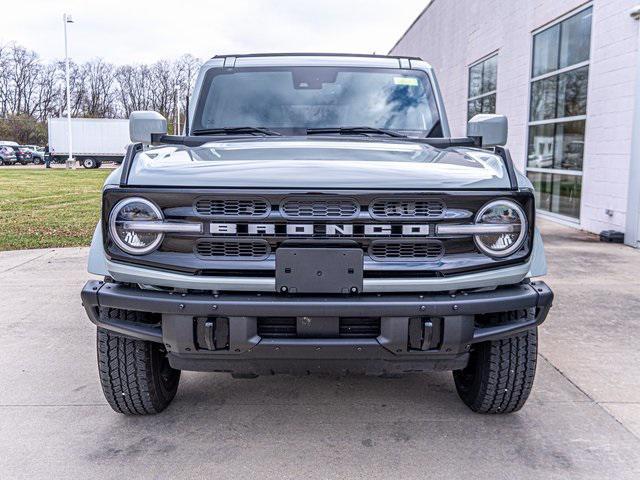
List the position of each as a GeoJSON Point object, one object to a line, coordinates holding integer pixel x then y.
{"type": "Point", "coordinates": [125, 367]}
{"type": "Point", "coordinates": [506, 374]}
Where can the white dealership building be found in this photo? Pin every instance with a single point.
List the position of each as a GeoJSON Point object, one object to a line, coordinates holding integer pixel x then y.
{"type": "Point", "coordinates": [566, 73]}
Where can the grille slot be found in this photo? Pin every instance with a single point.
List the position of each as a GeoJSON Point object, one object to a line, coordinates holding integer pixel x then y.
{"type": "Point", "coordinates": [233, 249]}
{"type": "Point", "coordinates": [277, 327]}
{"type": "Point", "coordinates": [319, 208]}
{"type": "Point", "coordinates": [350, 327]}
{"type": "Point", "coordinates": [359, 327]}
{"type": "Point", "coordinates": [407, 208]}
{"type": "Point", "coordinates": [233, 207]}
{"type": "Point", "coordinates": [383, 250]}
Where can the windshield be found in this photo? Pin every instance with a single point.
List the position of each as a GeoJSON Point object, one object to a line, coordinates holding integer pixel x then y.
{"type": "Point", "coordinates": [318, 97]}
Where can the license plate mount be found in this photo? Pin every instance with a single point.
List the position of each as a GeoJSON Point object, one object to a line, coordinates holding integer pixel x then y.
{"type": "Point", "coordinates": [319, 270]}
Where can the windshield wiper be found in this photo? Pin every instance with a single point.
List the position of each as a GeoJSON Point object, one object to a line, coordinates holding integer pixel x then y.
{"type": "Point", "coordinates": [354, 130]}
{"type": "Point", "coordinates": [235, 131]}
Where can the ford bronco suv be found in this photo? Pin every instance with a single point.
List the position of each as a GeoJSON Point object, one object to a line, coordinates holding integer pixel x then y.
{"type": "Point", "coordinates": [316, 216]}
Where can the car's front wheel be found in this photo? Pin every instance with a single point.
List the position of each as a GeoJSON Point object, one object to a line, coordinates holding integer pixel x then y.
{"type": "Point", "coordinates": [500, 374]}
{"type": "Point", "coordinates": [136, 376]}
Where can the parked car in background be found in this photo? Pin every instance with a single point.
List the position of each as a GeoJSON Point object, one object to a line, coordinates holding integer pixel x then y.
{"type": "Point", "coordinates": [34, 147]}
{"type": "Point", "coordinates": [7, 155]}
{"type": "Point", "coordinates": [23, 155]}
{"type": "Point", "coordinates": [37, 153]}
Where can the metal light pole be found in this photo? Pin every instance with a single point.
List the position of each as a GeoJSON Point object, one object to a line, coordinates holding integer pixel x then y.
{"type": "Point", "coordinates": [66, 18]}
{"type": "Point", "coordinates": [177, 129]}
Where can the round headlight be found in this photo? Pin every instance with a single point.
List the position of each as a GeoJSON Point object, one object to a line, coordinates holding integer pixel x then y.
{"type": "Point", "coordinates": [129, 210]}
{"type": "Point", "coordinates": [506, 228]}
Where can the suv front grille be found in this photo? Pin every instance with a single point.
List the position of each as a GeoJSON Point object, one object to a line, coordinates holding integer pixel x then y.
{"type": "Point", "coordinates": [406, 208]}
{"type": "Point", "coordinates": [241, 230]}
{"type": "Point", "coordinates": [239, 208]}
{"type": "Point", "coordinates": [310, 208]}
{"type": "Point", "coordinates": [406, 250]}
{"type": "Point", "coordinates": [233, 249]}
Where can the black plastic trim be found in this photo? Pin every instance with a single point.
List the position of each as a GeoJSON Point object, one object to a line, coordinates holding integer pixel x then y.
{"type": "Point", "coordinates": [537, 295]}
{"type": "Point", "coordinates": [508, 162]}
{"type": "Point", "coordinates": [315, 54]}
{"type": "Point", "coordinates": [127, 163]}
{"type": "Point", "coordinates": [199, 140]}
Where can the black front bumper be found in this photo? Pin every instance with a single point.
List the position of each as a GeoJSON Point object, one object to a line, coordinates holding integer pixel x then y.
{"type": "Point", "coordinates": [457, 316]}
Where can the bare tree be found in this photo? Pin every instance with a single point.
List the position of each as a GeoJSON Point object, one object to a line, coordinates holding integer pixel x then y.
{"type": "Point", "coordinates": [134, 88]}
{"type": "Point", "coordinates": [100, 95]}
{"type": "Point", "coordinates": [48, 95]}
{"type": "Point", "coordinates": [31, 91]}
{"type": "Point", "coordinates": [6, 90]}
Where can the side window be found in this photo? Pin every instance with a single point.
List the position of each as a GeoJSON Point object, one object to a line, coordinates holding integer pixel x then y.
{"type": "Point", "coordinates": [483, 83]}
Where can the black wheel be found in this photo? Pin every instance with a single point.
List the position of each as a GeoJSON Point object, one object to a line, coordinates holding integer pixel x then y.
{"type": "Point", "coordinates": [136, 376]}
{"type": "Point", "coordinates": [500, 374]}
{"type": "Point", "coordinates": [1, 162]}
{"type": "Point", "coordinates": [37, 161]}
{"type": "Point", "coordinates": [88, 163]}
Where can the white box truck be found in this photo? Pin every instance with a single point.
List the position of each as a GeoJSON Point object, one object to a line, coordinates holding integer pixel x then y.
{"type": "Point", "coordinates": [94, 140]}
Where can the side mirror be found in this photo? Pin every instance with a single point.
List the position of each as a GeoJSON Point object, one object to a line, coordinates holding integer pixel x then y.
{"type": "Point", "coordinates": [143, 124]}
{"type": "Point", "coordinates": [493, 129]}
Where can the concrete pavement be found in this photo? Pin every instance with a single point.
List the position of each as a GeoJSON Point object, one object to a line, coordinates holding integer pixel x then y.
{"type": "Point", "coordinates": [582, 421]}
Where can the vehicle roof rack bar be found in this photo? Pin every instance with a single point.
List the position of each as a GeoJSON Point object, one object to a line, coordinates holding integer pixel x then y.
{"type": "Point", "coordinates": [315, 54]}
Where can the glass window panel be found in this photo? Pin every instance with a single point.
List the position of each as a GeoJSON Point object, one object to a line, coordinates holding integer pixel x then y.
{"type": "Point", "coordinates": [556, 145]}
{"type": "Point", "coordinates": [490, 74]}
{"type": "Point", "coordinates": [476, 106]}
{"type": "Point", "coordinates": [569, 145]}
{"type": "Point", "coordinates": [489, 103]}
{"type": "Point", "coordinates": [471, 109]}
{"type": "Point", "coordinates": [565, 196]}
{"type": "Point", "coordinates": [576, 39]}
{"type": "Point", "coordinates": [557, 193]}
{"type": "Point", "coordinates": [545, 51]}
{"type": "Point", "coordinates": [572, 93]}
{"type": "Point", "coordinates": [541, 146]}
{"type": "Point", "coordinates": [543, 99]}
{"type": "Point", "coordinates": [475, 80]}
{"type": "Point", "coordinates": [542, 189]}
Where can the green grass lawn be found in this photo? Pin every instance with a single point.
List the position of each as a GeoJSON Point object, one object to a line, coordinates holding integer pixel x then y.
{"type": "Point", "coordinates": [49, 208]}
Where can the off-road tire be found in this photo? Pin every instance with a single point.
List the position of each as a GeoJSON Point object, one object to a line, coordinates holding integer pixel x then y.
{"type": "Point", "coordinates": [500, 374]}
{"type": "Point", "coordinates": [135, 375]}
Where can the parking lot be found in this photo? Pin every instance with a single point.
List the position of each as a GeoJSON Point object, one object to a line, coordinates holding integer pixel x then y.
{"type": "Point", "coordinates": [582, 421]}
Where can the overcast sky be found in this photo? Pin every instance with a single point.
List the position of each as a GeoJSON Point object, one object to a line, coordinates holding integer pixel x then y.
{"type": "Point", "coordinates": [130, 31]}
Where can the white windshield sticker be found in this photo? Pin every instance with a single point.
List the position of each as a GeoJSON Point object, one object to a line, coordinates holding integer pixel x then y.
{"type": "Point", "coordinates": [412, 81]}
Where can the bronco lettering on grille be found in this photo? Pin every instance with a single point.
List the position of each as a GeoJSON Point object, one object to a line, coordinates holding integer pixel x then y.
{"type": "Point", "coordinates": [329, 229]}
